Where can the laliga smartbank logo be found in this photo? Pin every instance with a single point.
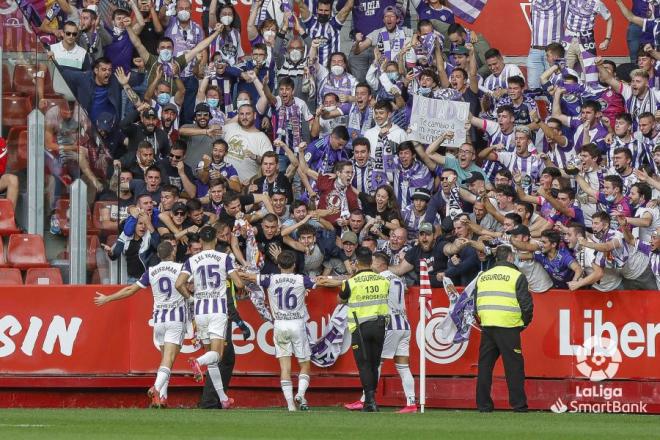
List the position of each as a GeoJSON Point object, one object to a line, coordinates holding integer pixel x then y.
{"type": "Point", "coordinates": [597, 359]}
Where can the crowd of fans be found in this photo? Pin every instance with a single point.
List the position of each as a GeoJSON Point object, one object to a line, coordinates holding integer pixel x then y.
{"type": "Point", "coordinates": [303, 143]}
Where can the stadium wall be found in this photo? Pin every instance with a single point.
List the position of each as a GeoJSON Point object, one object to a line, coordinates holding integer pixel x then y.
{"type": "Point", "coordinates": [58, 349]}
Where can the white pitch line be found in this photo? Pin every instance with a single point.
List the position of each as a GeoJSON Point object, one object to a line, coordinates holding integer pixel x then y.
{"type": "Point", "coordinates": [22, 425]}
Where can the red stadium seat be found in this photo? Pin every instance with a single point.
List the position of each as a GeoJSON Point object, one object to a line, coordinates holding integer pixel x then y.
{"type": "Point", "coordinates": [96, 216]}
{"type": "Point", "coordinates": [18, 152]}
{"type": "Point", "coordinates": [523, 69]}
{"type": "Point", "coordinates": [43, 276]}
{"type": "Point", "coordinates": [3, 258]}
{"type": "Point", "coordinates": [7, 219]}
{"type": "Point", "coordinates": [51, 101]}
{"type": "Point", "coordinates": [24, 78]}
{"type": "Point", "coordinates": [26, 250]}
{"type": "Point", "coordinates": [7, 86]}
{"type": "Point", "coordinates": [62, 215]}
{"type": "Point", "coordinates": [15, 110]}
{"type": "Point", "coordinates": [10, 277]}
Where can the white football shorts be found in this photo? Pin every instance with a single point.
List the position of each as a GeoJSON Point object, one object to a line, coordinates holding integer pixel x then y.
{"type": "Point", "coordinates": [290, 339]}
{"type": "Point", "coordinates": [211, 326]}
{"type": "Point", "coordinates": [397, 343]}
{"type": "Point", "coordinates": [172, 332]}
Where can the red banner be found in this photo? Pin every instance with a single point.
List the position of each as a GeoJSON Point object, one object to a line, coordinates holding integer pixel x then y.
{"type": "Point", "coordinates": [58, 330]}
{"type": "Point", "coordinates": [498, 15]}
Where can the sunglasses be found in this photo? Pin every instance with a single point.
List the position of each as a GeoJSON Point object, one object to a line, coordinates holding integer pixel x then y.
{"type": "Point", "coordinates": [202, 114]}
{"type": "Point", "coordinates": [174, 156]}
{"type": "Point", "coordinates": [179, 214]}
{"type": "Point", "coordinates": [71, 34]}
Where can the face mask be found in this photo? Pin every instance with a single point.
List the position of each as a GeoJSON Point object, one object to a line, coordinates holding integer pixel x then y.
{"type": "Point", "coordinates": [163, 98]}
{"type": "Point", "coordinates": [165, 55]}
{"type": "Point", "coordinates": [424, 90]}
{"type": "Point", "coordinates": [330, 108]}
{"type": "Point", "coordinates": [573, 88]}
{"type": "Point", "coordinates": [384, 124]}
{"type": "Point", "coordinates": [269, 34]}
{"type": "Point", "coordinates": [295, 55]}
{"type": "Point", "coordinates": [241, 103]}
{"type": "Point", "coordinates": [226, 20]}
{"type": "Point", "coordinates": [323, 18]}
{"type": "Point", "coordinates": [183, 15]}
{"type": "Point", "coordinates": [393, 76]}
{"type": "Point", "coordinates": [610, 198]}
{"type": "Point", "coordinates": [337, 70]}
{"type": "Point", "coordinates": [212, 102]}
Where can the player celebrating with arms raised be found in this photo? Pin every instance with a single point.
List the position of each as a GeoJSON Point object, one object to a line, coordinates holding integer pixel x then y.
{"type": "Point", "coordinates": [209, 270]}
{"type": "Point", "coordinates": [169, 314]}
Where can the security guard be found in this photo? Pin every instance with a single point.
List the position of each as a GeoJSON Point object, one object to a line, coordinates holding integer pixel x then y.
{"type": "Point", "coordinates": [504, 307]}
{"type": "Point", "coordinates": [366, 294]}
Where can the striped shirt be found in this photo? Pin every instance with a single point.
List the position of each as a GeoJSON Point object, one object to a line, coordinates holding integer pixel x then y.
{"type": "Point", "coordinates": [328, 33]}
{"type": "Point", "coordinates": [496, 136]}
{"type": "Point", "coordinates": [494, 82]}
{"type": "Point", "coordinates": [396, 302]}
{"type": "Point", "coordinates": [597, 134]}
{"type": "Point", "coordinates": [169, 305]}
{"type": "Point", "coordinates": [640, 155]}
{"type": "Point", "coordinates": [363, 177]}
{"type": "Point", "coordinates": [547, 21]}
{"type": "Point", "coordinates": [185, 40]}
{"type": "Point", "coordinates": [636, 105]}
{"type": "Point", "coordinates": [581, 14]}
{"type": "Point", "coordinates": [617, 257]}
{"type": "Point", "coordinates": [406, 180]}
{"type": "Point", "coordinates": [209, 270]}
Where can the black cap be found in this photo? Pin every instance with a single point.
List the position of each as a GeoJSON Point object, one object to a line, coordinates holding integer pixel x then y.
{"type": "Point", "coordinates": [519, 230]}
{"type": "Point", "coordinates": [207, 233]}
{"type": "Point", "coordinates": [473, 178]}
{"type": "Point", "coordinates": [172, 107]}
{"type": "Point", "coordinates": [447, 225]}
{"type": "Point", "coordinates": [179, 206]}
{"type": "Point", "coordinates": [202, 107]}
{"type": "Point", "coordinates": [421, 194]}
{"type": "Point", "coordinates": [149, 113]}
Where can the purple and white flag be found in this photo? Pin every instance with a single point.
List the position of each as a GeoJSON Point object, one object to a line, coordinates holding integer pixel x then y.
{"type": "Point", "coordinates": [328, 348]}
{"type": "Point", "coordinates": [467, 10]}
{"type": "Point", "coordinates": [455, 327]}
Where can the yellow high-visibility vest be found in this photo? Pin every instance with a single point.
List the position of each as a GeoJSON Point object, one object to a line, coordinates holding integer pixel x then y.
{"type": "Point", "coordinates": [497, 305]}
{"type": "Point", "coordinates": [369, 293]}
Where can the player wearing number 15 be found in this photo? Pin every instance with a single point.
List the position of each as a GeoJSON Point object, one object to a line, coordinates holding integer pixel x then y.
{"type": "Point", "coordinates": [209, 270]}
{"type": "Point", "coordinates": [169, 315]}
{"type": "Point", "coordinates": [366, 294]}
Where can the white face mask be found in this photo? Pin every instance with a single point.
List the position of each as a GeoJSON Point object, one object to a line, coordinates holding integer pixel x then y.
{"type": "Point", "coordinates": [226, 20]}
{"type": "Point", "coordinates": [295, 55]}
{"type": "Point", "coordinates": [329, 108]}
{"type": "Point", "coordinates": [337, 70]}
{"type": "Point", "coordinates": [384, 124]}
{"type": "Point", "coordinates": [183, 15]}
{"type": "Point", "coordinates": [269, 34]}
{"type": "Point", "coordinates": [241, 103]}
{"type": "Point", "coordinates": [165, 55]}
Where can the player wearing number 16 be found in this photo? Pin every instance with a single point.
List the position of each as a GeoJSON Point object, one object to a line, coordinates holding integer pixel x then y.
{"type": "Point", "coordinates": [169, 315]}
{"type": "Point", "coordinates": [209, 270]}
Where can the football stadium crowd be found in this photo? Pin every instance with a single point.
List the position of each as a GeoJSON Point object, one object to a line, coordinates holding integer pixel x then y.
{"type": "Point", "coordinates": [304, 139]}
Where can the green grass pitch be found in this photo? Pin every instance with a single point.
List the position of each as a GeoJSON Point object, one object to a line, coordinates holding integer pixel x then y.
{"type": "Point", "coordinates": [320, 423]}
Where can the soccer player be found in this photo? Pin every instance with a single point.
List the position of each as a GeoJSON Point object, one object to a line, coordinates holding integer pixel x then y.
{"type": "Point", "coordinates": [169, 314]}
{"type": "Point", "coordinates": [286, 296]}
{"type": "Point", "coordinates": [209, 270]}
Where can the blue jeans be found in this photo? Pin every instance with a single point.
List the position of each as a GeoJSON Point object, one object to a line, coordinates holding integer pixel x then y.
{"type": "Point", "coordinates": [536, 65]}
{"type": "Point", "coordinates": [632, 37]}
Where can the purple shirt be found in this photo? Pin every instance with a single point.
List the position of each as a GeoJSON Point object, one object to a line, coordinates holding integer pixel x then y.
{"type": "Point", "coordinates": [120, 51]}
{"type": "Point", "coordinates": [367, 14]}
{"type": "Point", "coordinates": [559, 268]}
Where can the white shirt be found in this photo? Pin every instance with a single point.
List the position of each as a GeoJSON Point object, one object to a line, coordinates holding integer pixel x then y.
{"type": "Point", "coordinates": [240, 141]}
{"type": "Point", "coordinates": [69, 58]}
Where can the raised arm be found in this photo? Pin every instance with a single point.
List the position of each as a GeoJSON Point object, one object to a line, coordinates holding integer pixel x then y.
{"type": "Point", "coordinates": [137, 44]}
{"type": "Point", "coordinates": [639, 21]}
{"type": "Point", "coordinates": [192, 53]}
{"type": "Point", "coordinates": [125, 292]}
{"type": "Point", "coordinates": [606, 76]}
{"type": "Point", "coordinates": [342, 15]}
{"type": "Point", "coordinates": [556, 106]}
{"type": "Point", "coordinates": [585, 186]}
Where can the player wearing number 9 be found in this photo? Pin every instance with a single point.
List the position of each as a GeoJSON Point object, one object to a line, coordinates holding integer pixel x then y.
{"type": "Point", "coordinates": [169, 314]}
{"type": "Point", "coordinates": [209, 270]}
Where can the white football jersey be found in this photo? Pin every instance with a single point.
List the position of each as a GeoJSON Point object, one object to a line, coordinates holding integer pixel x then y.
{"type": "Point", "coordinates": [209, 270]}
{"type": "Point", "coordinates": [168, 302]}
{"type": "Point", "coordinates": [286, 294]}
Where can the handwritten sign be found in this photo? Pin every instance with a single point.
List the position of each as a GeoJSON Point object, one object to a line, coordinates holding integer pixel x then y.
{"type": "Point", "coordinates": [432, 117]}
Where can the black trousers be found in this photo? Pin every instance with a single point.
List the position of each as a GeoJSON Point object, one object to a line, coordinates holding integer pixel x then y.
{"type": "Point", "coordinates": [496, 341]}
{"type": "Point", "coordinates": [210, 398]}
{"type": "Point", "coordinates": [367, 351]}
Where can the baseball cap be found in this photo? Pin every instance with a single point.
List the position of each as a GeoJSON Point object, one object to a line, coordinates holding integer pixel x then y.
{"type": "Point", "coordinates": [473, 178]}
{"type": "Point", "coordinates": [179, 206]}
{"type": "Point", "coordinates": [149, 113]}
{"type": "Point", "coordinates": [426, 228]}
{"type": "Point", "coordinates": [350, 237]}
{"type": "Point", "coordinates": [459, 50]}
{"type": "Point", "coordinates": [202, 107]}
{"type": "Point", "coordinates": [171, 107]}
{"type": "Point", "coordinates": [519, 230]}
{"type": "Point", "coordinates": [422, 194]}
{"type": "Point", "coordinates": [105, 122]}
{"type": "Point", "coordinates": [92, 8]}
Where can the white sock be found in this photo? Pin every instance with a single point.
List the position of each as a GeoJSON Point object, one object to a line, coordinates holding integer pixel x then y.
{"type": "Point", "coordinates": [380, 366]}
{"type": "Point", "coordinates": [216, 379]}
{"type": "Point", "coordinates": [408, 382]}
{"type": "Point", "coordinates": [303, 383]}
{"type": "Point", "coordinates": [162, 377]}
{"type": "Point", "coordinates": [287, 389]}
{"type": "Point", "coordinates": [163, 391]}
{"type": "Point", "coordinates": [208, 358]}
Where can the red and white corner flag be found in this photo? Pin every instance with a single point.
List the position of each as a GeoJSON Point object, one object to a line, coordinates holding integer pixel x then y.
{"type": "Point", "coordinates": [425, 310]}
